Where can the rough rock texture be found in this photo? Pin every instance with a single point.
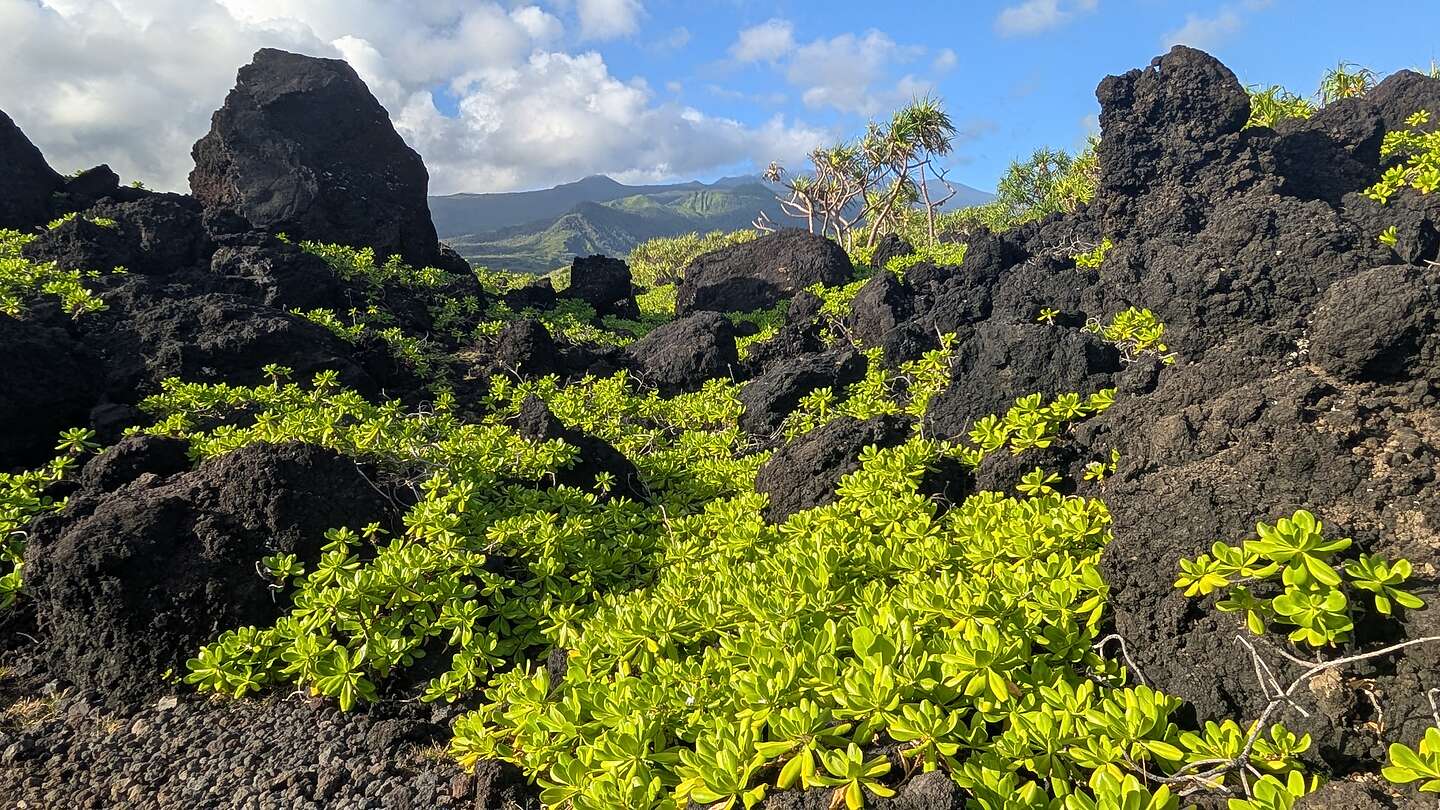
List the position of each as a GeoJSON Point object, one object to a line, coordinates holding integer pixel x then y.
{"type": "Point", "coordinates": [536, 423]}
{"type": "Point", "coordinates": [48, 382]}
{"type": "Point", "coordinates": [759, 273]}
{"type": "Point", "coordinates": [769, 398]}
{"type": "Point", "coordinates": [190, 750]}
{"type": "Point", "coordinates": [26, 180]}
{"type": "Point", "coordinates": [803, 474]}
{"type": "Point", "coordinates": [302, 147]}
{"type": "Point", "coordinates": [525, 348]}
{"type": "Point", "coordinates": [604, 284]}
{"type": "Point", "coordinates": [1001, 362]}
{"type": "Point", "coordinates": [535, 295]}
{"type": "Point", "coordinates": [890, 247]}
{"type": "Point", "coordinates": [128, 583]}
{"type": "Point", "coordinates": [881, 306]}
{"type": "Point", "coordinates": [683, 354]}
{"type": "Point", "coordinates": [211, 337]}
{"type": "Point", "coordinates": [157, 235]}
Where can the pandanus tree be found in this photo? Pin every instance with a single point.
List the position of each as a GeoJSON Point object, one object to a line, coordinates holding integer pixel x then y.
{"type": "Point", "coordinates": [870, 184]}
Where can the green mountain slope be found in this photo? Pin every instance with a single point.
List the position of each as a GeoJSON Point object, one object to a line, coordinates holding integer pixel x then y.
{"type": "Point", "coordinates": [615, 227]}
{"type": "Point", "coordinates": [599, 215]}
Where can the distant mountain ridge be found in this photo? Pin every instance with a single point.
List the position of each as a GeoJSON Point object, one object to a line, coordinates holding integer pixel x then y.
{"type": "Point", "coordinates": [538, 231]}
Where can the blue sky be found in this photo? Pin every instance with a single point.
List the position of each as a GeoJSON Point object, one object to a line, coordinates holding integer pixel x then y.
{"type": "Point", "coordinates": [501, 95]}
{"type": "Point", "coordinates": [1011, 87]}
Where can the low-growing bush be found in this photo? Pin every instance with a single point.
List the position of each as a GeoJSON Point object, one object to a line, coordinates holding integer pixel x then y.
{"type": "Point", "coordinates": [661, 261]}
{"type": "Point", "coordinates": [23, 281]}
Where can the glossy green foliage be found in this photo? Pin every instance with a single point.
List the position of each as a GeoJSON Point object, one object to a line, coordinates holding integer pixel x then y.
{"type": "Point", "coordinates": [1134, 331]}
{"type": "Point", "coordinates": [1411, 765]}
{"type": "Point", "coordinates": [23, 497]}
{"type": "Point", "coordinates": [1093, 258]}
{"type": "Point", "coordinates": [22, 281]}
{"type": "Point", "coordinates": [1318, 603]}
{"type": "Point", "coordinates": [1415, 153]}
{"type": "Point", "coordinates": [941, 254]}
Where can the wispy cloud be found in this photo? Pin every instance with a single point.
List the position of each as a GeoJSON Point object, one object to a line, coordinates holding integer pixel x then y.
{"type": "Point", "coordinates": [766, 42]}
{"type": "Point", "coordinates": [1212, 31]}
{"type": "Point", "coordinates": [1036, 16]}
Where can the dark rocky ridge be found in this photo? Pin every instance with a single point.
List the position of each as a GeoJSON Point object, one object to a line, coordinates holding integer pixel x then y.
{"type": "Point", "coordinates": [1308, 374]}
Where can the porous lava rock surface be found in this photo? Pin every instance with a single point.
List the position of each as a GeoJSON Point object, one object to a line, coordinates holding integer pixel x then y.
{"type": "Point", "coordinates": [681, 355]}
{"type": "Point", "coordinates": [302, 147]}
{"type": "Point", "coordinates": [149, 562]}
{"type": "Point", "coordinates": [603, 283]}
{"type": "Point", "coordinates": [760, 273]}
{"type": "Point", "coordinates": [803, 474]}
{"type": "Point", "coordinates": [26, 179]}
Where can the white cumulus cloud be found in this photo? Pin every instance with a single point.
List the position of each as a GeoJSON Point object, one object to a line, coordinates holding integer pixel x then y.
{"type": "Point", "coordinates": [133, 83]}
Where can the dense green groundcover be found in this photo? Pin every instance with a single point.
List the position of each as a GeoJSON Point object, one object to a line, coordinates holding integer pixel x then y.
{"type": "Point", "coordinates": [710, 656]}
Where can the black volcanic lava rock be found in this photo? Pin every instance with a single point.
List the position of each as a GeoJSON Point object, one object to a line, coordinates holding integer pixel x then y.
{"type": "Point", "coordinates": [804, 473]}
{"type": "Point", "coordinates": [883, 303]}
{"type": "Point", "coordinates": [603, 283]}
{"type": "Point", "coordinates": [536, 423]}
{"type": "Point", "coordinates": [26, 180]}
{"type": "Point", "coordinates": [538, 295]}
{"type": "Point", "coordinates": [157, 235]}
{"type": "Point", "coordinates": [145, 337]}
{"type": "Point", "coordinates": [302, 147]}
{"type": "Point", "coordinates": [891, 246]}
{"type": "Point", "coordinates": [1005, 361]}
{"type": "Point", "coordinates": [1402, 94]}
{"type": "Point", "coordinates": [128, 584]}
{"type": "Point", "coordinates": [48, 382]}
{"type": "Point", "coordinates": [683, 354]}
{"type": "Point", "coordinates": [525, 348]}
{"type": "Point", "coordinates": [772, 396]}
{"type": "Point", "coordinates": [1379, 326]}
{"type": "Point", "coordinates": [282, 276]}
{"type": "Point", "coordinates": [758, 274]}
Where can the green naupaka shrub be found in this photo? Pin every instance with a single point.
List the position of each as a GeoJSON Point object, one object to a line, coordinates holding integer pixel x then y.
{"type": "Point", "coordinates": [22, 281]}
{"type": "Point", "coordinates": [374, 604]}
{"type": "Point", "coordinates": [1410, 765]}
{"type": "Point", "coordinates": [1419, 153]}
{"type": "Point", "coordinates": [1316, 601]}
{"type": "Point", "coordinates": [1033, 423]}
{"type": "Point", "coordinates": [882, 391]}
{"type": "Point", "coordinates": [767, 657]}
{"type": "Point", "coordinates": [1093, 258]}
{"type": "Point", "coordinates": [942, 254]}
{"type": "Point", "coordinates": [1134, 332]}
{"type": "Point", "coordinates": [662, 261]}
{"type": "Point", "coordinates": [23, 498]}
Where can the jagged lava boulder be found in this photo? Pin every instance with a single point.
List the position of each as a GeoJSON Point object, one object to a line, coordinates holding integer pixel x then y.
{"type": "Point", "coordinates": [596, 456]}
{"type": "Point", "coordinates": [48, 382]}
{"type": "Point", "coordinates": [803, 474]}
{"type": "Point", "coordinates": [603, 283]}
{"type": "Point", "coordinates": [760, 273]}
{"type": "Point", "coordinates": [128, 583]}
{"type": "Point", "coordinates": [301, 146]}
{"type": "Point", "coordinates": [683, 354]}
{"type": "Point", "coordinates": [26, 180]}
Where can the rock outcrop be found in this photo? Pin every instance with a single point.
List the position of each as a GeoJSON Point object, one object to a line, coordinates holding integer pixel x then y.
{"type": "Point", "coordinates": [27, 182]}
{"type": "Point", "coordinates": [760, 273]}
{"type": "Point", "coordinates": [302, 147]}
